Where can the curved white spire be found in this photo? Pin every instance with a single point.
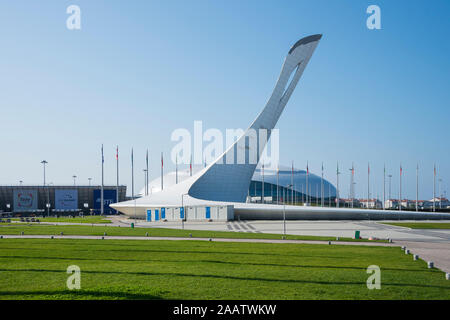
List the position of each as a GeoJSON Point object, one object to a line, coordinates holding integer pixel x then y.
{"type": "Point", "coordinates": [228, 179]}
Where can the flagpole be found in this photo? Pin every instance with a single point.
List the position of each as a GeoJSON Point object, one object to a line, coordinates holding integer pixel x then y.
{"type": "Point", "coordinates": [321, 189]}
{"type": "Point", "coordinates": [176, 169]}
{"type": "Point", "coordinates": [292, 183]}
{"type": "Point", "coordinates": [190, 167]}
{"type": "Point", "coordinates": [434, 189]}
{"type": "Point", "coordinates": [132, 184]}
{"type": "Point", "coordinates": [307, 189]}
{"type": "Point", "coordinates": [262, 186]}
{"type": "Point", "coordinates": [117, 173]}
{"type": "Point", "coordinates": [146, 174]}
{"type": "Point", "coordinates": [278, 171]}
{"type": "Point", "coordinates": [384, 186]}
{"type": "Point", "coordinates": [368, 184]}
{"type": "Point", "coordinates": [337, 185]}
{"type": "Point", "coordinates": [417, 187]}
{"type": "Point", "coordinates": [162, 172]}
{"type": "Point", "coordinates": [400, 204]}
{"type": "Point", "coordinates": [101, 193]}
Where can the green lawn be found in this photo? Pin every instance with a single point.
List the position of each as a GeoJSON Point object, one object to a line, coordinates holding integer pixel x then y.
{"type": "Point", "coordinates": [113, 269]}
{"type": "Point", "coordinates": [421, 225]}
{"type": "Point", "coordinates": [85, 219]}
{"type": "Point", "coordinates": [36, 229]}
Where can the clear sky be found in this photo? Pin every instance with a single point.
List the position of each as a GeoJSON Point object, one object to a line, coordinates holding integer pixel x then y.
{"type": "Point", "coordinates": [137, 70]}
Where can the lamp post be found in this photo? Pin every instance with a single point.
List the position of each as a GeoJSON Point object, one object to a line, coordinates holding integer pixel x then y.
{"type": "Point", "coordinates": [89, 181]}
{"type": "Point", "coordinates": [74, 180]}
{"type": "Point", "coordinates": [44, 162]}
{"type": "Point", "coordinates": [20, 182]}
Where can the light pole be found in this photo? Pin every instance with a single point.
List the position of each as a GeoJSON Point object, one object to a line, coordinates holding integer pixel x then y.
{"type": "Point", "coordinates": [184, 211]}
{"type": "Point", "coordinates": [89, 181]}
{"type": "Point", "coordinates": [44, 162]}
{"type": "Point", "coordinates": [20, 182]}
{"type": "Point", "coordinates": [440, 194]}
{"type": "Point", "coordinates": [74, 180]}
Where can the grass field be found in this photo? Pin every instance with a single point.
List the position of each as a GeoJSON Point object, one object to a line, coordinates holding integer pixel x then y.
{"type": "Point", "coordinates": [85, 219]}
{"type": "Point", "coordinates": [120, 269]}
{"type": "Point", "coordinates": [36, 229]}
{"type": "Point", "coordinates": [421, 225]}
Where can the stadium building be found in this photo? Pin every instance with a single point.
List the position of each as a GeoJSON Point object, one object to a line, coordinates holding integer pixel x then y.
{"type": "Point", "coordinates": [58, 200]}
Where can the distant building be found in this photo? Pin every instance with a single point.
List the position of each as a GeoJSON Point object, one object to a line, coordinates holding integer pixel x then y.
{"type": "Point", "coordinates": [371, 203]}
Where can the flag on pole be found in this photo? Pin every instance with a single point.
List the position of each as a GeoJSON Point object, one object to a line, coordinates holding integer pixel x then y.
{"type": "Point", "coordinates": [117, 153]}
{"type": "Point", "coordinates": [103, 158]}
{"type": "Point", "coordinates": [401, 170]}
{"type": "Point", "coordinates": [307, 169]}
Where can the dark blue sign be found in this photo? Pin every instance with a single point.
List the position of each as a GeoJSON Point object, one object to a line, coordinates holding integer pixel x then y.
{"type": "Point", "coordinates": [109, 197]}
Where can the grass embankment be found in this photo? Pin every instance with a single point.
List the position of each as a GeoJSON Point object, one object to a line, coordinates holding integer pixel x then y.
{"type": "Point", "coordinates": [85, 219]}
{"type": "Point", "coordinates": [119, 269]}
{"type": "Point", "coordinates": [420, 225]}
{"type": "Point", "coordinates": [36, 229]}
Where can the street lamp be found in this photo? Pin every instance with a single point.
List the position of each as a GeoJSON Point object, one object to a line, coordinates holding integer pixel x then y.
{"type": "Point", "coordinates": [44, 163]}
{"type": "Point", "coordinates": [20, 182]}
{"type": "Point", "coordinates": [74, 179]}
{"type": "Point", "coordinates": [89, 181]}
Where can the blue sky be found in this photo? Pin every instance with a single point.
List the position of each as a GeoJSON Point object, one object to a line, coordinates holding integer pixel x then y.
{"type": "Point", "coordinates": [138, 70]}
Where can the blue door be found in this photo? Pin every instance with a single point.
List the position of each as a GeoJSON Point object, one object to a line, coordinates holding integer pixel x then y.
{"type": "Point", "coordinates": [181, 213]}
{"type": "Point", "coordinates": [149, 215]}
{"type": "Point", "coordinates": [208, 212]}
{"type": "Point", "coordinates": [156, 215]}
{"type": "Point", "coordinates": [163, 213]}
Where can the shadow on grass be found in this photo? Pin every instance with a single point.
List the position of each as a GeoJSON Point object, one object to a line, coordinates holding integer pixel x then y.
{"type": "Point", "coordinates": [74, 259]}
{"type": "Point", "coordinates": [228, 277]}
{"type": "Point", "coordinates": [81, 294]}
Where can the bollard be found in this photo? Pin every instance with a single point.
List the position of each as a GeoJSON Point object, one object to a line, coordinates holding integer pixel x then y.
{"type": "Point", "coordinates": [103, 238]}
{"type": "Point", "coordinates": [51, 237]}
{"type": "Point", "coordinates": [1, 237]}
{"type": "Point", "coordinates": [407, 251]}
{"type": "Point", "coordinates": [430, 265]}
{"type": "Point", "coordinates": [447, 276]}
{"type": "Point", "coordinates": [329, 242]}
{"type": "Point", "coordinates": [415, 257]}
{"type": "Point", "coordinates": [210, 239]}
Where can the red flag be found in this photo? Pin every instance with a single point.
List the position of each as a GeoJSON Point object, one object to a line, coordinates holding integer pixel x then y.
{"type": "Point", "coordinates": [117, 153]}
{"type": "Point", "coordinates": [162, 162]}
{"type": "Point", "coordinates": [401, 170]}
